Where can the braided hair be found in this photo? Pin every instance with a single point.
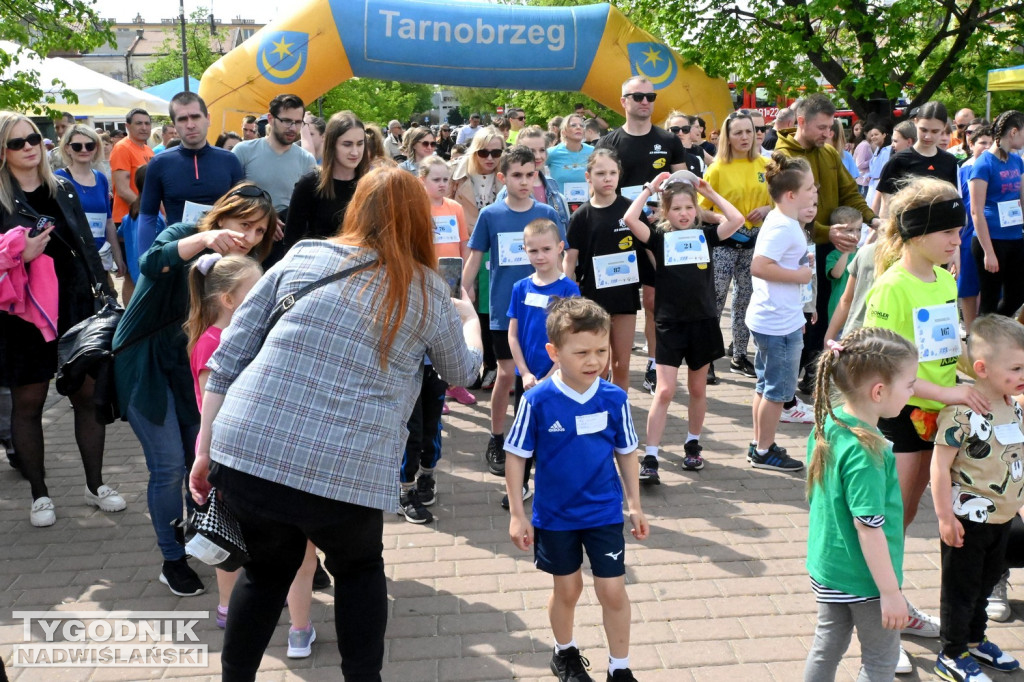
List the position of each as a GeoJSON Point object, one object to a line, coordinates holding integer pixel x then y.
{"type": "Point", "coordinates": [1004, 123]}
{"type": "Point", "coordinates": [867, 355]}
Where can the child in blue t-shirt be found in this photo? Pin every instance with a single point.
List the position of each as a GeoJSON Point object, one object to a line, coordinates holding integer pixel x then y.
{"type": "Point", "coordinates": [578, 426]}
{"type": "Point", "coordinates": [499, 233]}
{"type": "Point", "coordinates": [528, 312]}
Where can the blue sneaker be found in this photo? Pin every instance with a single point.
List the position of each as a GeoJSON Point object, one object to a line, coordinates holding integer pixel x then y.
{"type": "Point", "coordinates": [991, 655]}
{"type": "Point", "coordinates": [300, 642]}
{"type": "Point", "coordinates": [963, 668]}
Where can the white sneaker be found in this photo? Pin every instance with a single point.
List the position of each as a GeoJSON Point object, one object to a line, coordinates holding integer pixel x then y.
{"type": "Point", "coordinates": [998, 608]}
{"type": "Point", "coordinates": [42, 513]}
{"type": "Point", "coordinates": [904, 666]}
{"type": "Point", "coordinates": [801, 413]}
{"type": "Point", "coordinates": [920, 623]}
{"type": "Point", "coordinates": [106, 498]}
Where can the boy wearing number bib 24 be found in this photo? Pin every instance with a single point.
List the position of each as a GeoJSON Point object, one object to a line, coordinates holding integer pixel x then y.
{"type": "Point", "coordinates": [685, 308]}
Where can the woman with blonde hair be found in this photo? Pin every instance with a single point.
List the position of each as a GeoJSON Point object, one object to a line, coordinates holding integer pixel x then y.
{"type": "Point", "coordinates": [42, 225]}
{"type": "Point", "coordinates": [360, 344]}
{"type": "Point", "coordinates": [417, 144]}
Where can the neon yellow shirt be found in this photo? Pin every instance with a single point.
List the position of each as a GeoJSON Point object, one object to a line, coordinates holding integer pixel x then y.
{"type": "Point", "coordinates": [891, 304]}
{"type": "Point", "coordinates": [741, 182]}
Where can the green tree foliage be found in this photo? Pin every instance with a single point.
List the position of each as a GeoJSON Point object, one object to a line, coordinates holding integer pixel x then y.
{"type": "Point", "coordinates": [204, 48]}
{"type": "Point", "coordinates": [868, 50]}
{"type": "Point", "coordinates": [539, 106]}
{"type": "Point", "coordinates": [376, 101]}
{"type": "Point", "coordinates": [45, 27]}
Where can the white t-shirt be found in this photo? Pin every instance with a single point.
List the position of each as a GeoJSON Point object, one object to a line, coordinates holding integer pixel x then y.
{"type": "Point", "coordinates": [775, 307]}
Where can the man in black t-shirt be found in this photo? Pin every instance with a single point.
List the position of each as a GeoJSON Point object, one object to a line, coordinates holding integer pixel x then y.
{"type": "Point", "coordinates": [644, 150]}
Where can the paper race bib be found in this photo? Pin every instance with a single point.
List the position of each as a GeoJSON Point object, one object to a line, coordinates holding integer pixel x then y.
{"type": "Point", "coordinates": [1008, 434]}
{"type": "Point", "coordinates": [936, 332]}
{"type": "Point", "coordinates": [615, 269]}
{"type": "Point", "coordinates": [511, 250]}
{"type": "Point", "coordinates": [535, 300]}
{"type": "Point", "coordinates": [591, 423]}
{"type": "Point", "coordinates": [686, 247]}
{"type": "Point", "coordinates": [631, 192]}
{"type": "Point", "coordinates": [577, 192]}
{"type": "Point", "coordinates": [446, 229]}
{"type": "Point", "coordinates": [97, 224]}
{"type": "Point", "coordinates": [1010, 213]}
{"type": "Point", "coordinates": [193, 212]}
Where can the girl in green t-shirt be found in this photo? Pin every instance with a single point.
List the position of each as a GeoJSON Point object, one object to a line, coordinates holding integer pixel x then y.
{"type": "Point", "coordinates": [855, 538]}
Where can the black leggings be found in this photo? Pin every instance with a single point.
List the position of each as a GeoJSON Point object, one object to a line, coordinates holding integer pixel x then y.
{"type": "Point", "coordinates": [276, 521]}
{"type": "Point", "coordinates": [1001, 292]}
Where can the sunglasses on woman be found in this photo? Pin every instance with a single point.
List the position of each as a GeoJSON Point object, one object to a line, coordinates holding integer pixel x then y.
{"type": "Point", "coordinates": [79, 146]}
{"type": "Point", "coordinates": [641, 96]}
{"type": "Point", "coordinates": [18, 143]}
{"type": "Point", "coordinates": [250, 192]}
{"type": "Point", "coordinates": [425, 143]}
{"type": "Point", "coordinates": [675, 130]}
{"type": "Point", "coordinates": [493, 153]}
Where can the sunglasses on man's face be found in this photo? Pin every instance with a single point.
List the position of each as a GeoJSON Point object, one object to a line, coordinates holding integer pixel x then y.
{"type": "Point", "coordinates": [79, 146]}
{"type": "Point", "coordinates": [493, 153]}
{"type": "Point", "coordinates": [18, 143]}
{"type": "Point", "coordinates": [761, 129]}
{"type": "Point", "coordinates": [641, 96]}
{"type": "Point", "coordinates": [675, 130]}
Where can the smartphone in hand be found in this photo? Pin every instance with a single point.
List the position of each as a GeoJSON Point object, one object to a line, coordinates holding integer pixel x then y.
{"type": "Point", "coordinates": [451, 272]}
{"type": "Point", "coordinates": [42, 224]}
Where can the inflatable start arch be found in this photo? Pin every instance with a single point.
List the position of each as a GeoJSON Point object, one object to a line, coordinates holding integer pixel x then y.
{"type": "Point", "coordinates": [590, 49]}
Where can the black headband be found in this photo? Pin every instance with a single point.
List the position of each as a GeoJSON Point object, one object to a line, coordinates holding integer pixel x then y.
{"type": "Point", "coordinates": [935, 217]}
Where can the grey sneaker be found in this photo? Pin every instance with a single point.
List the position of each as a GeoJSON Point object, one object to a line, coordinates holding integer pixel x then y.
{"type": "Point", "coordinates": [998, 608]}
{"type": "Point", "coordinates": [300, 642]}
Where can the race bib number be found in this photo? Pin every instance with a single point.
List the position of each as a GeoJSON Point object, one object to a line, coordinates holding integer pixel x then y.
{"type": "Point", "coordinates": [446, 229]}
{"type": "Point", "coordinates": [686, 247]}
{"type": "Point", "coordinates": [1010, 213]}
{"type": "Point", "coordinates": [511, 250]}
{"type": "Point", "coordinates": [535, 300]}
{"type": "Point", "coordinates": [632, 192]}
{"type": "Point", "coordinates": [1008, 434]}
{"type": "Point", "coordinates": [576, 192]}
{"type": "Point", "coordinates": [615, 269]}
{"type": "Point", "coordinates": [936, 332]}
{"type": "Point", "coordinates": [591, 423]}
{"type": "Point", "coordinates": [97, 224]}
{"type": "Point", "coordinates": [194, 212]}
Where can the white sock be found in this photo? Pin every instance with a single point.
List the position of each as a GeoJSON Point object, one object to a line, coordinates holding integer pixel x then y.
{"type": "Point", "coordinates": [562, 647]}
{"type": "Point", "coordinates": [761, 452]}
{"type": "Point", "coordinates": [617, 664]}
{"type": "Point", "coordinates": [690, 436]}
{"type": "Point", "coordinates": [651, 450]}
{"type": "Point", "coordinates": [650, 363]}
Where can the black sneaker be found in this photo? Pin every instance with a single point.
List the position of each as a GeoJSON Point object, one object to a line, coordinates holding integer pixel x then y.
{"type": "Point", "coordinates": [692, 459]}
{"type": "Point", "coordinates": [425, 487]}
{"type": "Point", "coordinates": [649, 470]}
{"type": "Point", "coordinates": [712, 379]}
{"type": "Point", "coordinates": [570, 666]}
{"type": "Point", "coordinates": [775, 459]}
{"type": "Point", "coordinates": [410, 506]}
{"type": "Point", "coordinates": [651, 380]}
{"type": "Point", "coordinates": [495, 455]}
{"type": "Point", "coordinates": [321, 578]}
{"type": "Point", "coordinates": [621, 675]}
{"type": "Point", "coordinates": [743, 367]}
{"type": "Point", "coordinates": [527, 494]}
{"type": "Point", "coordinates": [728, 351]}
{"type": "Point", "coordinates": [180, 577]}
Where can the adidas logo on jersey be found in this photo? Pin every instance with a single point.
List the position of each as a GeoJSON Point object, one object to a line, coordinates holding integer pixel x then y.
{"type": "Point", "coordinates": [556, 428]}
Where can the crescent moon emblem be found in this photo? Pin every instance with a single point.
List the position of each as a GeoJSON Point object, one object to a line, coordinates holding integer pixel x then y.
{"type": "Point", "coordinates": [654, 81]}
{"type": "Point", "coordinates": [284, 75]}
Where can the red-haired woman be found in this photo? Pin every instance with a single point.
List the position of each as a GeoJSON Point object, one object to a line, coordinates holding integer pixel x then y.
{"type": "Point", "coordinates": [310, 422]}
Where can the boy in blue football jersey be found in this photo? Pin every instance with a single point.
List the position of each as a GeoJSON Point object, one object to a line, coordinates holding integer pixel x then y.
{"type": "Point", "coordinates": [528, 312]}
{"type": "Point", "coordinates": [578, 426]}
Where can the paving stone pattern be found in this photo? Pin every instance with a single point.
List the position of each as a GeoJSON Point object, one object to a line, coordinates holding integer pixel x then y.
{"type": "Point", "coordinates": [719, 591]}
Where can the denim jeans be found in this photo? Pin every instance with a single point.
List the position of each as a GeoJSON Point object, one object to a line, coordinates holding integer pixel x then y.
{"type": "Point", "coordinates": [168, 448]}
{"type": "Point", "coordinates": [777, 364]}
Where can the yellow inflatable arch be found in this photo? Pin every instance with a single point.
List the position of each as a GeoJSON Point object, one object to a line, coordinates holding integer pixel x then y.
{"type": "Point", "coordinates": [590, 49]}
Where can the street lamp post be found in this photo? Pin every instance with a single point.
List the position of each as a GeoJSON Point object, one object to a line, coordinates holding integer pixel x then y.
{"type": "Point", "coordinates": [184, 44]}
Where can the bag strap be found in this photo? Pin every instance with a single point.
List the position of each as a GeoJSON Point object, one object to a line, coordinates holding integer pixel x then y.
{"type": "Point", "coordinates": [286, 303]}
{"type": "Point", "coordinates": [142, 337]}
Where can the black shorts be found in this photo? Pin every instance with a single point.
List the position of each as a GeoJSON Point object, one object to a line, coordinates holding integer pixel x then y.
{"type": "Point", "coordinates": [25, 357]}
{"type": "Point", "coordinates": [560, 552]}
{"type": "Point", "coordinates": [499, 342]}
{"type": "Point", "coordinates": [698, 343]}
{"type": "Point", "coordinates": [902, 432]}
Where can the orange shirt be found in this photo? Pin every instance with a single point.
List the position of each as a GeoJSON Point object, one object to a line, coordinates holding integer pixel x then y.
{"type": "Point", "coordinates": [447, 247]}
{"type": "Point", "coordinates": [127, 156]}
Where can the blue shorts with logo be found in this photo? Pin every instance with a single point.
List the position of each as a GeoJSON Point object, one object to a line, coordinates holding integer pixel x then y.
{"type": "Point", "coordinates": [560, 552]}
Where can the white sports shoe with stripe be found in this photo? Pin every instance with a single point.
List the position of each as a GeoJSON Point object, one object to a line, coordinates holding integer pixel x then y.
{"type": "Point", "coordinates": [920, 623]}
{"type": "Point", "coordinates": [801, 413]}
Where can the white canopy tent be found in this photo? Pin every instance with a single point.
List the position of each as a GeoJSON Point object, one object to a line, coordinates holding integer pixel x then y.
{"type": "Point", "coordinates": [98, 95]}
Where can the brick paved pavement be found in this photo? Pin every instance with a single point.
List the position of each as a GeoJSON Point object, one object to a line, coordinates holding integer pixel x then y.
{"type": "Point", "coordinates": [719, 590]}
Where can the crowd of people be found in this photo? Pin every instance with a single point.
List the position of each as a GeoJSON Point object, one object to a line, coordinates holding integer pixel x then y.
{"type": "Point", "coordinates": [514, 258]}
